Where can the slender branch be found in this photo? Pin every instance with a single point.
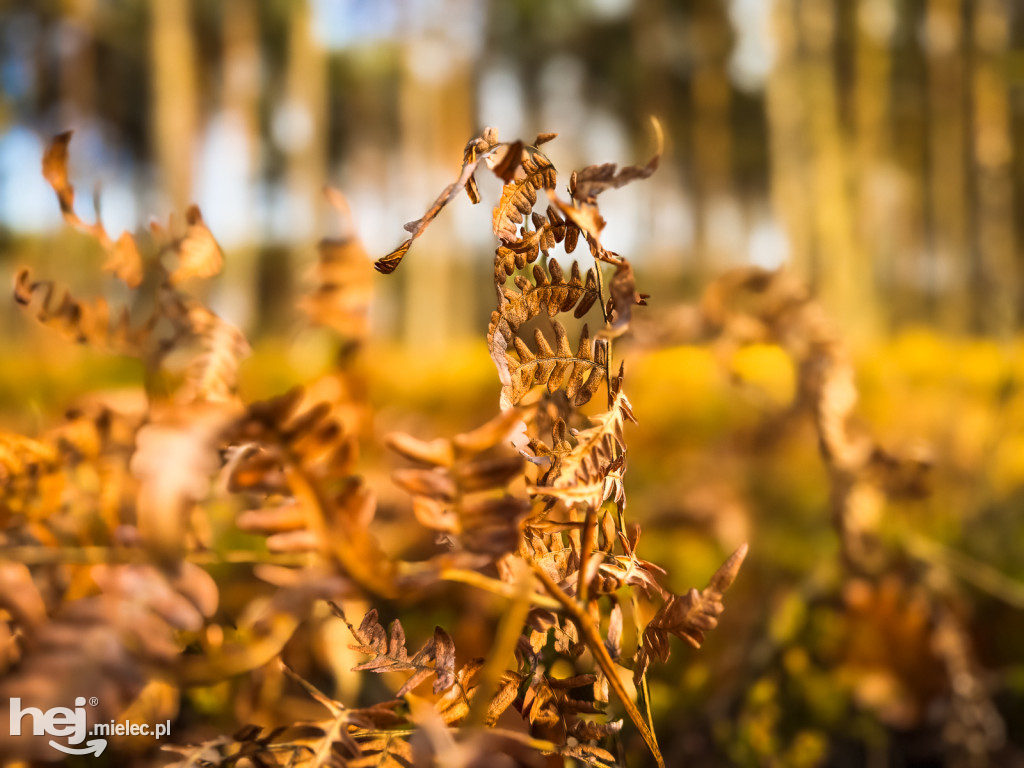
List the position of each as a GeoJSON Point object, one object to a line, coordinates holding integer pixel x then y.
{"type": "Point", "coordinates": [644, 690]}
{"type": "Point", "coordinates": [504, 647]}
{"type": "Point", "coordinates": [586, 548]}
{"type": "Point", "coordinates": [600, 290]}
{"type": "Point", "coordinates": [494, 586]}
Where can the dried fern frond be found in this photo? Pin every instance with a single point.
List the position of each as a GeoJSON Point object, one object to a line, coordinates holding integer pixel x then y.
{"type": "Point", "coordinates": [581, 373]}
{"type": "Point", "coordinates": [687, 616]}
{"type": "Point", "coordinates": [107, 645]}
{"type": "Point", "coordinates": [586, 184]}
{"type": "Point", "coordinates": [755, 305]}
{"type": "Point", "coordinates": [325, 508]}
{"type": "Point", "coordinates": [78, 321]}
{"type": "Point", "coordinates": [476, 150]}
{"type": "Point", "coordinates": [623, 298]}
{"type": "Point", "coordinates": [549, 700]}
{"type": "Point", "coordinates": [585, 465]}
{"type": "Point", "coordinates": [212, 373]}
{"type": "Point", "coordinates": [516, 254]}
{"type": "Point", "coordinates": [123, 258]}
{"type": "Point", "coordinates": [520, 194]}
{"type": "Point", "coordinates": [389, 653]}
{"type": "Point", "coordinates": [549, 294]}
{"type": "Point", "coordinates": [175, 460]}
{"type": "Point", "coordinates": [464, 493]}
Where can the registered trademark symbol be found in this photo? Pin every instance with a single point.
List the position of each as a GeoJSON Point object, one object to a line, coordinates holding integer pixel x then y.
{"type": "Point", "coordinates": [93, 701]}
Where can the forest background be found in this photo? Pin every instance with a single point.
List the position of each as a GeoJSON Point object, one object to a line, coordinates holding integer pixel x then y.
{"type": "Point", "coordinates": [873, 149]}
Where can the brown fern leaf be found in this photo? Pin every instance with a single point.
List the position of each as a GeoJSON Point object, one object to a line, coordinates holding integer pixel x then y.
{"type": "Point", "coordinates": [542, 623]}
{"type": "Point", "coordinates": [564, 231]}
{"type": "Point", "coordinates": [24, 464]}
{"type": "Point", "coordinates": [333, 740]}
{"type": "Point", "coordinates": [454, 706]}
{"type": "Point", "coordinates": [389, 653]}
{"type": "Point", "coordinates": [687, 616]}
{"type": "Point", "coordinates": [463, 493]}
{"type": "Point", "coordinates": [585, 217]}
{"type": "Point", "coordinates": [755, 305]}
{"type": "Point", "coordinates": [548, 230]}
{"type": "Point", "coordinates": [587, 465]}
{"type": "Point", "coordinates": [38, 477]}
{"type": "Point", "coordinates": [546, 294]}
{"type": "Point", "coordinates": [123, 258]}
{"type": "Point", "coordinates": [175, 459]}
{"type": "Point", "coordinates": [520, 195]}
{"type": "Point", "coordinates": [628, 570]}
{"type": "Point", "coordinates": [347, 737]}
{"type": "Point", "coordinates": [549, 700]}
{"type": "Point", "coordinates": [586, 184]}
{"type": "Point", "coordinates": [588, 754]}
{"type": "Point", "coordinates": [581, 372]}
{"type": "Point", "coordinates": [516, 254]}
{"type": "Point", "coordinates": [391, 750]}
{"type": "Point", "coordinates": [588, 730]}
{"type": "Point", "coordinates": [476, 150]}
{"type": "Point", "coordinates": [79, 321]}
{"type": "Point", "coordinates": [327, 510]}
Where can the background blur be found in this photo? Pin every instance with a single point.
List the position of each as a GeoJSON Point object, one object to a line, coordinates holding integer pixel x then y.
{"type": "Point", "coordinates": [871, 144]}
{"type": "Point", "coordinates": [874, 147]}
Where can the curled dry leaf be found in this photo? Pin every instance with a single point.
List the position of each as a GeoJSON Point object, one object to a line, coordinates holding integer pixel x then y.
{"type": "Point", "coordinates": [549, 294]}
{"type": "Point", "coordinates": [123, 258]}
{"type": "Point", "coordinates": [586, 184]}
{"type": "Point", "coordinates": [389, 654]}
{"type": "Point", "coordinates": [688, 616]}
{"type": "Point", "coordinates": [519, 194]}
{"type": "Point", "coordinates": [624, 297]}
{"type": "Point", "coordinates": [476, 150]}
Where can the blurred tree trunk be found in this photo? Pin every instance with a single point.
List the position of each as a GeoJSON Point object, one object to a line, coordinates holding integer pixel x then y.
{"type": "Point", "coordinates": [846, 275]}
{"type": "Point", "coordinates": [240, 68]}
{"type": "Point", "coordinates": [947, 162]}
{"type": "Point", "coordinates": [787, 127]}
{"type": "Point", "coordinates": [882, 196]}
{"type": "Point", "coordinates": [299, 129]}
{"type": "Point", "coordinates": [436, 120]}
{"type": "Point", "coordinates": [712, 128]}
{"type": "Point", "coordinates": [993, 157]}
{"type": "Point", "coordinates": [174, 97]}
{"type": "Point", "coordinates": [78, 65]}
{"type": "Point", "coordinates": [305, 121]}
